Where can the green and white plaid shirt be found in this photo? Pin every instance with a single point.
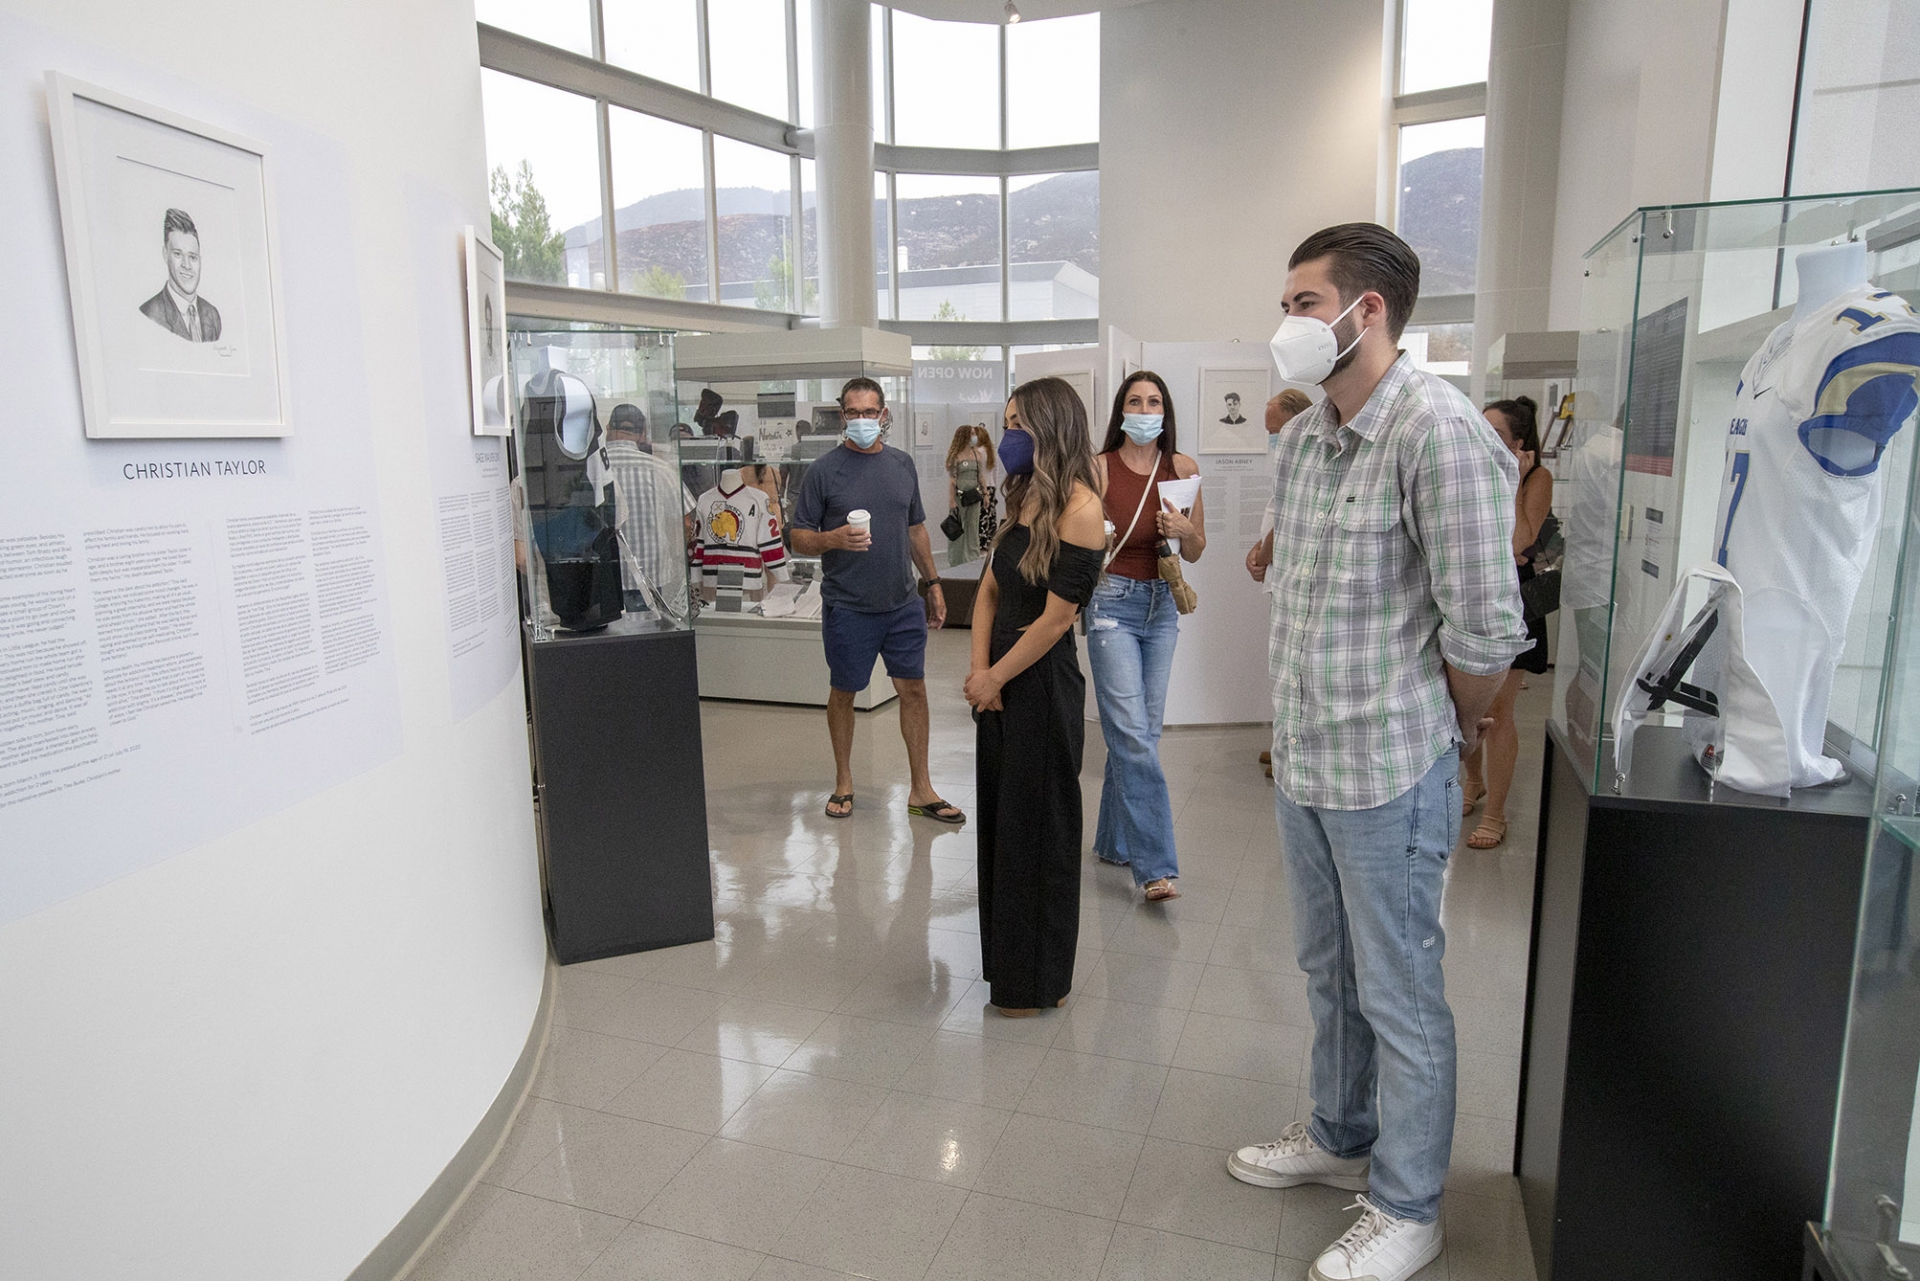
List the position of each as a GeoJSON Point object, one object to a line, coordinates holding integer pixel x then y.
{"type": "Point", "coordinates": [1392, 552]}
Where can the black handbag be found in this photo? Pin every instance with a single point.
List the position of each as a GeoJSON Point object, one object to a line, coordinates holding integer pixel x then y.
{"type": "Point", "coordinates": [952, 527]}
{"type": "Point", "coordinates": [1540, 595]}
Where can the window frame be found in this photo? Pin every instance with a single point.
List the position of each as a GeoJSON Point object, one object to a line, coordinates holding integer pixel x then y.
{"type": "Point", "coordinates": [1429, 106]}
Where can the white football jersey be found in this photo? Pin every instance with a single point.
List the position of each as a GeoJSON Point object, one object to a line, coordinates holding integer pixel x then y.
{"type": "Point", "coordinates": [740, 530]}
{"type": "Point", "coordinates": [1801, 493]}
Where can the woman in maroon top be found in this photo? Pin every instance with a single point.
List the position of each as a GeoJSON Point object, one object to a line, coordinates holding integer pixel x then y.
{"type": "Point", "coordinates": [1132, 627]}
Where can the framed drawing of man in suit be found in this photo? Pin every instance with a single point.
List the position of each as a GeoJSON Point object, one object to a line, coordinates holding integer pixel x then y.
{"type": "Point", "coordinates": [171, 269]}
{"type": "Point", "coordinates": [1227, 395]}
{"type": "Point", "coordinates": [487, 336]}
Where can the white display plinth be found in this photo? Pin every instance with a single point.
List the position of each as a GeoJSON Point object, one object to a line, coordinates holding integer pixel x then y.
{"type": "Point", "coordinates": [773, 660]}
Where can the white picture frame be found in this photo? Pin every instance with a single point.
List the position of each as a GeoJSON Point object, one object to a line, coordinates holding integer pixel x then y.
{"type": "Point", "coordinates": [488, 362]}
{"type": "Point", "coordinates": [1248, 388]}
{"type": "Point", "coordinates": [156, 209]}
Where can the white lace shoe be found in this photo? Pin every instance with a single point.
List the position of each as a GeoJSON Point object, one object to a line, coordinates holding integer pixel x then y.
{"type": "Point", "coordinates": [1378, 1247]}
{"type": "Point", "coordinates": [1295, 1158]}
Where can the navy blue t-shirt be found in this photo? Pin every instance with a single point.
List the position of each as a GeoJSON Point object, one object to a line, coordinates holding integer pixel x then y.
{"type": "Point", "coordinates": [880, 579]}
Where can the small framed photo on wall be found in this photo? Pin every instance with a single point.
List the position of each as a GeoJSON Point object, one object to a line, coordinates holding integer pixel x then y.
{"type": "Point", "coordinates": [487, 336]}
{"type": "Point", "coordinates": [1233, 406]}
{"type": "Point", "coordinates": [172, 269]}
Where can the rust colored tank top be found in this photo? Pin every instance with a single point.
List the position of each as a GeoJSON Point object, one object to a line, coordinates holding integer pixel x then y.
{"type": "Point", "coordinates": [1135, 558]}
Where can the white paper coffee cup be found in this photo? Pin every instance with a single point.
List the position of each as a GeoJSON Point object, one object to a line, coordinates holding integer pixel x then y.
{"type": "Point", "coordinates": [861, 519]}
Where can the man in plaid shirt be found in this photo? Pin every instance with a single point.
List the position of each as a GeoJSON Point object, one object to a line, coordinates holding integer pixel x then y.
{"type": "Point", "coordinates": [1396, 612]}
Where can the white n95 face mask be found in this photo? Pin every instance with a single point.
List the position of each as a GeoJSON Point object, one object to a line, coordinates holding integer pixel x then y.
{"type": "Point", "coordinates": [1306, 349]}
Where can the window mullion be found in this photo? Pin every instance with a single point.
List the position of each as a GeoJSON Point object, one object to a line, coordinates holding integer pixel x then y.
{"type": "Point", "coordinates": [793, 60]}
{"type": "Point", "coordinates": [1006, 254]}
{"type": "Point", "coordinates": [713, 215]}
{"type": "Point", "coordinates": [886, 71]}
{"type": "Point", "coordinates": [706, 54]}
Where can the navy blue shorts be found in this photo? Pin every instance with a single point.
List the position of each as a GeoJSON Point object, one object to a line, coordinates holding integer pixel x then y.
{"type": "Point", "coordinates": [854, 640]}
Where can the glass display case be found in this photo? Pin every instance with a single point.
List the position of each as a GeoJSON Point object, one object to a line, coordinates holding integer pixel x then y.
{"type": "Point", "coordinates": [1743, 398]}
{"type": "Point", "coordinates": [605, 520]}
{"type": "Point", "coordinates": [1871, 1228]}
{"type": "Point", "coordinates": [760, 410]}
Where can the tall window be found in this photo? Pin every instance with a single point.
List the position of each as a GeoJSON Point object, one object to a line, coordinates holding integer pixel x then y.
{"type": "Point", "coordinates": [1440, 139]}
{"type": "Point", "coordinates": [718, 205]}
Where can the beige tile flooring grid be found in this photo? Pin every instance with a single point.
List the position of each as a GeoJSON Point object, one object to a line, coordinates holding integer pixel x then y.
{"type": "Point", "coordinates": [820, 1092]}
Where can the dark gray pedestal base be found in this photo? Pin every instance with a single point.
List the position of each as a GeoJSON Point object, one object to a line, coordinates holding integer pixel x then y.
{"type": "Point", "coordinates": [623, 802]}
{"type": "Point", "coordinates": [1686, 1009]}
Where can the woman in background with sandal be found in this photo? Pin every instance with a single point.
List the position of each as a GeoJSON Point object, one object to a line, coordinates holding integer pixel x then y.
{"type": "Point", "coordinates": [1029, 700]}
{"type": "Point", "coordinates": [1488, 773]}
{"type": "Point", "coordinates": [1132, 627]}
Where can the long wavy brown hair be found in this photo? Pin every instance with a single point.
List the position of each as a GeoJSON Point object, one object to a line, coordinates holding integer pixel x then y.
{"type": "Point", "coordinates": [1051, 410]}
{"type": "Point", "coordinates": [970, 436]}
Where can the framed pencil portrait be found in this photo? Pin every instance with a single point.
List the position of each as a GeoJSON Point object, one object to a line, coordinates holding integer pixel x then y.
{"type": "Point", "coordinates": [1233, 403]}
{"type": "Point", "coordinates": [487, 336]}
{"type": "Point", "coordinates": [172, 270]}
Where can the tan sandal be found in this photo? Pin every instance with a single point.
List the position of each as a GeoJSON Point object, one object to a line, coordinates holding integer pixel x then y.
{"type": "Point", "coordinates": [1161, 890]}
{"type": "Point", "coordinates": [1470, 799]}
{"type": "Point", "coordinates": [1489, 835]}
{"type": "Point", "coordinates": [1006, 1013]}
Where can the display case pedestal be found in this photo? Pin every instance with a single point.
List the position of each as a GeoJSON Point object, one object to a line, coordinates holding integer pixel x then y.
{"type": "Point", "coordinates": [1686, 1010]}
{"type": "Point", "coordinates": [622, 789]}
{"type": "Point", "coordinates": [774, 660]}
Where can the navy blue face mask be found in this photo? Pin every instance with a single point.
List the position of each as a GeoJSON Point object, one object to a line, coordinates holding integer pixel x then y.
{"type": "Point", "coordinates": [1016, 452]}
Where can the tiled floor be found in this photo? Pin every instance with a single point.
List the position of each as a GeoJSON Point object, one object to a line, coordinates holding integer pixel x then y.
{"type": "Point", "coordinates": [819, 1092]}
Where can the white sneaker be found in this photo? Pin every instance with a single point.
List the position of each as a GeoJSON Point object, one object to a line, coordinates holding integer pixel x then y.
{"type": "Point", "coordinates": [1295, 1158]}
{"type": "Point", "coordinates": [1378, 1247]}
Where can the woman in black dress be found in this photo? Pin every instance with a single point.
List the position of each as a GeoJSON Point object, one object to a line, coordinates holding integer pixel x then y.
{"type": "Point", "coordinates": [1488, 773]}
{"type": "Point", "coordinates": [1030, 699]}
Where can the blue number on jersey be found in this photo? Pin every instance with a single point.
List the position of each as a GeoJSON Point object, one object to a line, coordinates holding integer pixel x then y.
{"type": "Point", "coordinates": [1741, 463]}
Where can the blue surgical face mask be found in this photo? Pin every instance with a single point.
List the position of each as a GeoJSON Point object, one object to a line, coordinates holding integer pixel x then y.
{"type": "Point", "coordinates": [1016, 452]}
{"type": "Point", "coordinates": [863, 431]}
{"type": "Point", "coordinates": [1142, 429]}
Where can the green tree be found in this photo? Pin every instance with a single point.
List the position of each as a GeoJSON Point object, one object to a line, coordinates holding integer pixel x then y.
{"type": "Point", "coordinates": [523, 231]}
{"type": "Point", "coordinates": [775, 291]}
{"type": "Point", "coordinates": [947, 311]}
{"type": "Point", "coordinates": [658, 281]}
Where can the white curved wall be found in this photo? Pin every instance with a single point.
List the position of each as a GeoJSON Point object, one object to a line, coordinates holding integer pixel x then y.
{"type": "Point", "coordinates": [250, 1059]}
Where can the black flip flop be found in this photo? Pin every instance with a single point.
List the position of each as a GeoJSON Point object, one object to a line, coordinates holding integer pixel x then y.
{"type": "Point", "coordinates": [931, 810]}
{"type": "Point", "coordinates": [840, 798]}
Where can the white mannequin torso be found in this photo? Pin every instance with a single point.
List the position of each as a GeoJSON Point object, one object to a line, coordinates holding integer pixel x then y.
{"type": "Point", "coordinates": [1827, 272]}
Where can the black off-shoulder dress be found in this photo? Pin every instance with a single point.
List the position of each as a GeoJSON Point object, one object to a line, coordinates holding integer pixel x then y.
{"type": "Point", "coordinates": [1028, 807]}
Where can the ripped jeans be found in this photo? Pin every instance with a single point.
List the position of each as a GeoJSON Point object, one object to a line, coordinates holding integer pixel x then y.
{"type": "Point", "coordinates": [1132, 627]}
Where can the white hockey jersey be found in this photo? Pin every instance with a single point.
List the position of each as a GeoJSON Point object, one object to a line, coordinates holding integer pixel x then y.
{"type": "Point", "coordinates": [1801, 494]}
{"type": "Point", "coordinates": [737, 530]}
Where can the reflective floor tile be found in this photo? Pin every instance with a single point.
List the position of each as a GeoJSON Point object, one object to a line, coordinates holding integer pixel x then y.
{"type": "Point", "coordinates": [764, 1032]}
{"type": "Point", "coordinates": [737, 1194]}
{"type": "Point", "coordinates": [1268, 948]}
{"type": "Point", "coordinates": [1489, 1085]}
{"type": "Point", "coordinates": [646, 1253]}
{"type": "Point", "coordinates": [1221, 1112]}
{"type": "Point", "coordinates": [1116, 1029]}
{"type": "Point", "coordinates": [1142, 1254]}
{"type": "Point", "coordinates": [511, 1237]}
{"type": "Point", "coordinates": [1483, 1158]}
{"type": "Point", "coordinates": [691, 1091]}
{"type": "Point", "coordinates": [1082, 1168]}
{"type": "Point", "coordinates": [867, 1051]}
{"type": "Point", "coordinates": [647, 1011]}
{"type": "Point", "coordinates": [1486, 1239]}
{"type": "Point", "coordinates": [588, 1068]}
{"type": "Point", "coordinates": [872, 1224]}
{"type": "Point", "coordinates": [1149, 932]}
{"type": "Point", "coordinates": [1144, 980]}
{"type": "Point", "coordinates": [1094, 1090]}
{"type": "Point", "coordinates": [928, 1138]}
{"type": "Point", "coordinates": [1251, 994]}
{"type": "Point", "coordinates": [798, 1112]}
{"type": "Point", "coordinates": [973, 1069]}
{"type": "Point", "coordinates": [1270, 1052]}
{"type": "Point", "coordinates": [1179, 1187]}
{"type": "Point", "coordinates": [974, 1014]}
{"type": "Point", "coordinates": [918, 996]}
{"type": "Point", "coordinates": [999, 1240]}
{"type": "Point", "coordinates": [580, 992]}
{"type": "Point", "coordinates": [534, 1133]}
{"type": "Point", "coordinates": [613, 1164]}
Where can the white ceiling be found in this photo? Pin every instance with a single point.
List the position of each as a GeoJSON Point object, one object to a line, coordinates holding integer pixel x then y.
{"type": "Point", "coordinates": [995, 10]}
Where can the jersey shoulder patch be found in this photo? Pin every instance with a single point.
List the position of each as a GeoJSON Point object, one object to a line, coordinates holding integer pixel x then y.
{"type": "Point", "coordinates": [1866, 394]}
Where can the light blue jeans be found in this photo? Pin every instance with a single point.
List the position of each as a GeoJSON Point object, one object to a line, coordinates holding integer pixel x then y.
{"type": "Point", "coordinates": [1132, 627]}
{"type": "Point", "coordinates": [1366, 888]}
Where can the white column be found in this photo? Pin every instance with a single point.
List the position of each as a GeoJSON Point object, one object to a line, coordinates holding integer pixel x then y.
{"type": "Point", "coordinates": [1525, 75]}
{"type": "Point", "coordinates": [843, 162]}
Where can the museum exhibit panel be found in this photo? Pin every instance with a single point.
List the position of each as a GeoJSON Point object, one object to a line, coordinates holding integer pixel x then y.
{"type": "Point", "coordinates": [609, 644]}
{"type": "Point", "coordinates": [1735, 489]}
{"type": "Point", "coordinates": [767, 407]}
{"type": "Point", "coordinates": [1870, 1230]}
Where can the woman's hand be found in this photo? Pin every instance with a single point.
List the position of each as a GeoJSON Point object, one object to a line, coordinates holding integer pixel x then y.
{"type": "Point", "coordinates": [982, 690]}
{"type": "Point", "coordinates": [1172, 523]}
{"type": "Point", "coordinates": [1527, 459]}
